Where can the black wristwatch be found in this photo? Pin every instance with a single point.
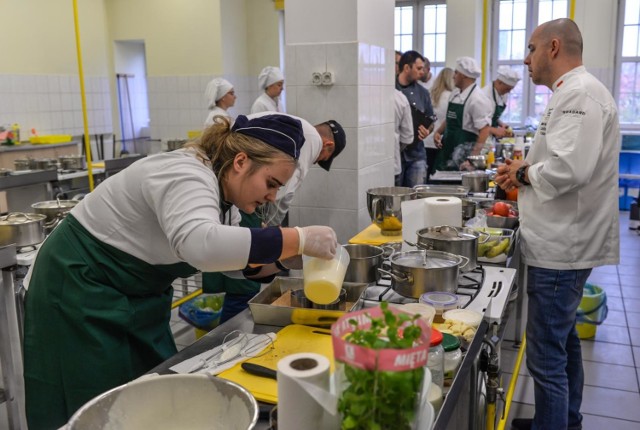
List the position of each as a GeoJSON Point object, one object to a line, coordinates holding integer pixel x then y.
{"type": "Point", "coordinates": [521, 176]}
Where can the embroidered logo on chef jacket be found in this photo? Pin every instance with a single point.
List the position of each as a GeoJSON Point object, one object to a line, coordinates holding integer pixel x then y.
{"type": "Point", "coordinates": [542, 128]}
{"type": "Point", "coordinates": [573, 113]}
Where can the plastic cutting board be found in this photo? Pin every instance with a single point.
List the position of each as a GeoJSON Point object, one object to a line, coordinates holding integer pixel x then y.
{"type": "Point", "coordinates": [372, 236]}
{"type": "Point", "coordinates": [290, 340]}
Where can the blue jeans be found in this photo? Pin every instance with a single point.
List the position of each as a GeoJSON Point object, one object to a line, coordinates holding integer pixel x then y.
{"type": "Point", "coordinates": [414, 172]}
{"type": "Point", "coordinates": [554, 357]}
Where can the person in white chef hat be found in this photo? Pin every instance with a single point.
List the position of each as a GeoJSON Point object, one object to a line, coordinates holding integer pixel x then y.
{"type": "Point", "coordinates": [468, 118]}
{"type": "Point", "coordinates": [498, 93]}
{"type": "Point", "coordinates": [271, 82]}
{"type": "Point", "coordinates": [221, 96]}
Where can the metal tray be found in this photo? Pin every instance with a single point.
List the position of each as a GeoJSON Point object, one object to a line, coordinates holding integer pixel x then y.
{"type": "Point", "coordinates": [264, 312]}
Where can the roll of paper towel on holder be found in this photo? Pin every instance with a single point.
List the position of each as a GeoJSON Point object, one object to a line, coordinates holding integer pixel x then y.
{"type": "Point", "coordinates": [304, 394]}
{"type": "Point", "coordinates": [413, 219]}
{"type": "Point", "coordinates": [446, 210]}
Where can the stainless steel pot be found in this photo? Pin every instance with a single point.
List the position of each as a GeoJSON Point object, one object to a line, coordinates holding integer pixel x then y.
{"type": "Point", "coordinates": [54, 210]}
{"type": "Point", "coordinates": [364, 261]}
{"type": "Point", "coordinates": [45, 164]}
{"type": "Point", "coordinates": [172, 145]}
{"type": "Point", "coordinates": [425, 191]}
{"type": "Point", "coordinates": [71, 162]}
{"type": "Point", "coordinates": [477, 182]}
{"type": "Point", "coordinates": [414, 273]}
{"type": "Point", "coordinates": [455, 240]}
{"type": "Point", "coordinates": [22, 164]}
{"type": "Point", "coordinates": [23, 229]}
{"type": "Point", "coordinates": [468, 209]}
{"type": "Point", "coordinates": [384, 205]}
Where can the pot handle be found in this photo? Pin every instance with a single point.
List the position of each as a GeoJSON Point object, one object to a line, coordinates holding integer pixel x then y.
{"type": "Point", "coordinates": [378, 215]}
{"type": "Point", "coordinates": [414, 244]}
{"type": "Point", "coordinates": [463, 258]}
{"type": "Point", "coordinates": [53, 223]}
{"type": "Point", "coordinates": [407, 278]}
{"type": "Point", "coordinates": [13, 215]}
{"type": "Point", "coordinates": [483, 233]}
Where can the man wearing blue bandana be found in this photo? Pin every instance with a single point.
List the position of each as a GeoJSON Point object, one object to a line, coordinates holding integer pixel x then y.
{"type": "Point", "coordinates": [99, 295]}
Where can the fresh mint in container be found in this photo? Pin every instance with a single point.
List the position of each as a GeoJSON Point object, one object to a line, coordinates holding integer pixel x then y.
{"type": "Point", "coordinates": [380, 356]}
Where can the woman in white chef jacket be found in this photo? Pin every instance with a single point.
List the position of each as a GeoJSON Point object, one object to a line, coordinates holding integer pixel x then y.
{"type": "Point", "coordinates": [98, 305]}
{"type": "Point", "coordinates": [271, 82]}
{"type": "Point", "coordinates": [221, 96]}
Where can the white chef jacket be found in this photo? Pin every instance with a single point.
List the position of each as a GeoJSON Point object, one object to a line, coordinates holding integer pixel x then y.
{"type": "Point", "coordinates": [265, 103]}
{"type": "Point", "coordinates": [214, 112]}
{"type": "Point", "coordinates": [477, 111]}
{"type": "Point", "coordinates": [440, 110]}
{"type": "Point", "coordinates": [309, 153]}
{"type": "Point", "coordinates": [489, 91]}
{"type": "Point", "coordinates": [164, 209]}
{"type": "Point", "coordinates": [403, 127]}
{"type": "Point", "coordinates": [569, 213]}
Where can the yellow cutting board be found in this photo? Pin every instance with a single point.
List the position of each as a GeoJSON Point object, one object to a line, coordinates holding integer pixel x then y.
{"type": "Point", "coordinates": [292, 339]}
{"type": "Point", "coordinates": [372, 236]}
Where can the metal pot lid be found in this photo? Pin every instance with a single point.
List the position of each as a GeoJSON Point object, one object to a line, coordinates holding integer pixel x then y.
{"type": "Point", "coordinates": [447, 233]}
{"type": "Point", "coordinates": [425, 259]}
{"type": "Point", "coordinates": [19, 218]}
{"type": "Point", "coordinates": [55, 204]}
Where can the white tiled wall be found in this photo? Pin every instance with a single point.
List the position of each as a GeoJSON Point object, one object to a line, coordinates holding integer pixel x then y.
{"type": "Point", "coordinates": [51, 104]}
{"type": "Point", "coordinates": [361, 100]}
{"type": "Point", "coordinates": [177, 103]}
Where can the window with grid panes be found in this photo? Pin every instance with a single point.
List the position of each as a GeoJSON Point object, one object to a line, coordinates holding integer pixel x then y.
{"type": "Point", "coordinates": [422, 26]}
{"type": "Point", "coordinates": [514, 21]}
{"type": "Point", "coordinates": [628, 67]}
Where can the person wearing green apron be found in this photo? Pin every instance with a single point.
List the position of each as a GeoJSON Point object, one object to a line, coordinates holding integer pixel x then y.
{"type": "Point", "coordinates": [99, 294]}
{"type": "Point", "coordinates": [468, 119]}
{"type": "Point", "coordinates": [497, 92]}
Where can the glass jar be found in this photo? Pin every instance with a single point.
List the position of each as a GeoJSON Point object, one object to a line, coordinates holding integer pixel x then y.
{"type": "Point", "coordinates": [435, 362]}
{"type": "Point", "coordinates": [452, 358]}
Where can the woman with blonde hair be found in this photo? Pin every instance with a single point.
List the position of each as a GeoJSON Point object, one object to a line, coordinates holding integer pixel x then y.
{"type": "Point", "coordinates": [99, 295]}
{"type": "Point", "coordinates": [440, 92]}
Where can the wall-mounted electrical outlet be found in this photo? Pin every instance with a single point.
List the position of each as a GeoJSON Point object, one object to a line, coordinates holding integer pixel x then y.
{"type": "Point", "coordinates": [327, 78]}
{"type": "Point", "coordinates": [316, 78]}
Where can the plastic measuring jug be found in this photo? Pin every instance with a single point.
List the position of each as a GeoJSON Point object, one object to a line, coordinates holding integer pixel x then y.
{"type": "Point", "coordinates": [323, 279]}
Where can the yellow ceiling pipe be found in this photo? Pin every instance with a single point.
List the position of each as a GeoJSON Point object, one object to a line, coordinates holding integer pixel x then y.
{"type": "Point", "coordinates": [87, 141]}
{"type": "Point", "coordinates": [572, 10]}
{"type": "Point", "coordinates": [485, 32]}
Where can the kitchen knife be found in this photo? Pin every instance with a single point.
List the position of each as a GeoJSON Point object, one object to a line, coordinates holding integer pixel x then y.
{"type": "Point", "coordinates": [259, 370]}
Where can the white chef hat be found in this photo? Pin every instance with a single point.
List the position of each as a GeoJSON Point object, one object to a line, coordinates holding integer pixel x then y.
{"type": "Point", "coordinates": [468, 67]}
{"type": "Point", "coordinates": [269, 76]}
{"type": "Point", "coordinates": [216, 89]}
{"type": "Point", "coordinates": [508, 75]}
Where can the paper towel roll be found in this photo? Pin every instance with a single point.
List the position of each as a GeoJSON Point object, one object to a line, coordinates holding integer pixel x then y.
{"type": "Point", "coordinates": [413, 213]}
{"type": "Point", "coordinates": [443, 211]}
{"type": "Point", "coordinates": [301, 378]}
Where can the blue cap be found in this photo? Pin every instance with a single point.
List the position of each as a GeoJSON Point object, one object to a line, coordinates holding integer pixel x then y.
{"type": "Point", "coordinates": [280, 131]}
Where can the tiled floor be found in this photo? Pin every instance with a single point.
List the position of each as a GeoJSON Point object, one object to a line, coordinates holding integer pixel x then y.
{"type": "Point", "coordinates": [611, 397]}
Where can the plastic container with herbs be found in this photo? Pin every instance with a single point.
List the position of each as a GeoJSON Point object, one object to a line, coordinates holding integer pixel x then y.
{"type": "Point", "coordinates": [380, 356]}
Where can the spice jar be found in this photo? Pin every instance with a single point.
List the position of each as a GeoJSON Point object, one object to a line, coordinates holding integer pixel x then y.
{"type": "Point", "coordinates": [435, 362]}
{"type": "Point", "coordinates": [452, 358]}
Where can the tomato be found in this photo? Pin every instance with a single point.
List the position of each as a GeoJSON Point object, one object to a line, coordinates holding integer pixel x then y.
{"type": "Point", "coordinates": [501, 209]}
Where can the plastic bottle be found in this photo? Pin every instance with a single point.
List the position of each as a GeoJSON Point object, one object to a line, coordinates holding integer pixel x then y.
{"type": "Point", "coordinates": [16, 133]}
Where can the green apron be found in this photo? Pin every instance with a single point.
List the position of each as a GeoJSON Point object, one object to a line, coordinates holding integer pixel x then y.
{"type": "Point", "coordinates": [215, 282]}
{"type": "Point", "coordinates": [95, 318]}
{"type": "Point", "coordinates": [454, 135]}
{"type": "Point", "coordinates": [497, 111]}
